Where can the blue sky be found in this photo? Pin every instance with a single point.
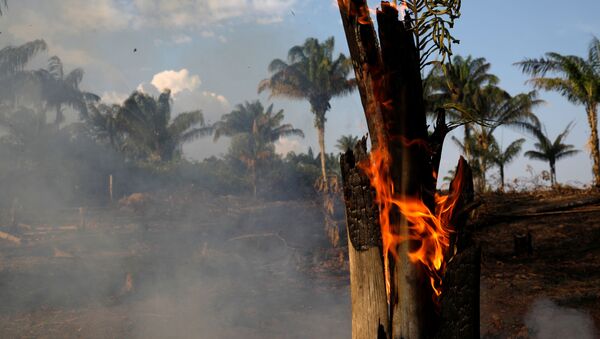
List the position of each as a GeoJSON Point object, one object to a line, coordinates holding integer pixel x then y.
{"type": "Point", "coordinates": [215, 52]}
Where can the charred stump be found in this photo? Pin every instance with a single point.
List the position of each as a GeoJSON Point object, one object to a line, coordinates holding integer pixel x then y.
{"type": "Point", "coordinates": [523, 244]}
{"type": "Point", "coordinates": [367, 287]}
{"type": "Point", "coordinates": [387, 69]}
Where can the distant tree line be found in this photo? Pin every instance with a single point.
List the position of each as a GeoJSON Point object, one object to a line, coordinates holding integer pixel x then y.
{"type": "Point", "coordinates": [140, 140]}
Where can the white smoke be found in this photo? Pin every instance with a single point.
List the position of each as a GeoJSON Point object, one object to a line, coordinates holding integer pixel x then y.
{"type": "Point", "coordinates": [546, 320]}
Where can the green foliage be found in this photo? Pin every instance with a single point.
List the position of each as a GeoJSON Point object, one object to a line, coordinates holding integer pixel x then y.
{"type": "Point", "coordinates": [143, 129]}
{"type": "Point", "coordinates": [346, 142]}
{"type": "Point", "coordinates": [455, 85]}
{"type": "Point", "coordinates": [502, 158]}
{"type": "Point", "coordinates": [311, 73]}
{"type": "Point", "coordinates": [431, 23]}
{"type": "Point", "coordinates": [575, 78]}
{"type": "Point", "coordinates": [472, 99]}
{"type": "Point", "coordinates": [13, 76]}
{"type": "Point", "coordinates": [547, 150]}
{"type": "Point", "coordinates": [578, 80]}
{"type": "Point", "coordinates": [59, 89]}
{"type": "Point", "coordinates": [253, 132]}
{"type": "Point", "coordinates": [14, 59]}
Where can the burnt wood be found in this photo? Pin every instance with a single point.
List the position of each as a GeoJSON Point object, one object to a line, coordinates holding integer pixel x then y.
{"type": "Point", "coordinates": [367, 284]}
{"type": "Point", "coordinates": [387, 69]}
{"type": "Point", "coordinates": [459, 316]}
{"type": "Point", "coordinates": [362, 215]}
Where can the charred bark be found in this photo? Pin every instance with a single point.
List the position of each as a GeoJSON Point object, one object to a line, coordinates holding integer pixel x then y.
{"type": "Point", "coordinates": [390, 87]}
{"type": "Point", "coordinates": [459, 305]}
{"type": "Point", "coordinates": [369, 304]}
{"type": "Point", "coordinates": [523, 244]}
{"type": "Point", "coordinates": [459, 315]}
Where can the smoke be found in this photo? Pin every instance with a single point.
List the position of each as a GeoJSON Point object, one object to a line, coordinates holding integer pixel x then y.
{"type": "Point", "coordinates": [546, 320]}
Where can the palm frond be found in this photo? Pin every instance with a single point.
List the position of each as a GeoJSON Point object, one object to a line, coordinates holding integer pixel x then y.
{"type": "Point", "coordinates": [55, 67]}
{"type": "Point", "coordinates": [13, 59]}
{"type": "Point", "coordinates": [536, 155]}
{"type": "Point", "coordinates": [184, 121]}
{"type": "Point", "coordinates": [74, 77]}
{"type": "Point", "coordinates": [3, 5]}
{"type": "Point", "coordinates": [594, 54]}
{"type": "Point", "coordinates": [566, 154]}
{"type": "Point", "coordinates": [539, 67]}
{"type": "Point", "coordinates": [431, 22]}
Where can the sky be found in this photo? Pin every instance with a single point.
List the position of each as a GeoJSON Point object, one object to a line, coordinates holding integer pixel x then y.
{"type": "Point", "coordinates": [213, 53]}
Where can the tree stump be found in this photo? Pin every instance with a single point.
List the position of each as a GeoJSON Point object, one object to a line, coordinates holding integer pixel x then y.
{"type": "Point", "coordinates": [389, 81]}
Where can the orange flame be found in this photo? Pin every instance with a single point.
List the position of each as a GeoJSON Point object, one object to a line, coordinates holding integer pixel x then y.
{"type": "Point", "coordinates": [431, 228]}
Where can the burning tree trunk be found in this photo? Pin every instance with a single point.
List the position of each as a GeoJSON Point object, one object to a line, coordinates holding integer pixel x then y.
{"type": "Point", "coordinates": [367, 283]}
{"type": "Point", "coordinates": [398, 246]}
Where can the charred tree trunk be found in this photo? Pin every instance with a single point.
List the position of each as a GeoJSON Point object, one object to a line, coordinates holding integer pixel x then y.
{"type": "Point", "coordinates": [390, 85]}
{"type": "Point", "coordinates": [367, 285]}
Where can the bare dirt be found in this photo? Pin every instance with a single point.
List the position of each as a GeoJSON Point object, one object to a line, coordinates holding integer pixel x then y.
{"type": "Point", "coordinates": [564, 266]}
{"type": "Point", "coordinates": [205, 267]}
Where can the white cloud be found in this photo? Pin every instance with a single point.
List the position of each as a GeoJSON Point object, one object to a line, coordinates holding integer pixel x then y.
{"type": "Point", "coordinates": [68, 17]}
{"type": "Point", "coordinates": [220, 98]}
{"type": "Point", "coordinates": [182, 39]}
{"type": "Point", "coordinates": [99, 14]}
{"type": "Point", "coordinates": [204, 13]}
{"type": "Point", "coordinates": [269, 20]}
{"type": "Point", "coordinates": [113, 97]}
{"type": "Point", "coordinates": [285, 145]}
{"type": "Point", "coordinates": [176, 81]}
{"type": "Point", "coordinates": [73, 17]}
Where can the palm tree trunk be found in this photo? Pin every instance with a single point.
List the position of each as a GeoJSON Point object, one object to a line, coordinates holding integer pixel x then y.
{"type": "Point", "coordinates": [59, 116]}
{"type": "Point", "coordinates": [466, 141]}
{"type": "Point", "coordinates": [483, 177]}
{"type": "Point", "coordinates": [553, 174]}
{"type": "Point", "coordinates": [592, 114]}
{"type": "Point", "coordinates": [321, 133]}
{"type": "Point", "coordinates": [501, 178]}
{"type": "Point", "coordinates": [484, 167]}
{"type": "Point", "coordinates": [254, 179]}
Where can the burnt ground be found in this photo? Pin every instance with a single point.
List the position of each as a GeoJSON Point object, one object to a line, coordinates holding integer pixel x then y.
{"type": "Point", "coordinates": [197, 266]}
{"type": "Point", "coordinates": [564, 266]}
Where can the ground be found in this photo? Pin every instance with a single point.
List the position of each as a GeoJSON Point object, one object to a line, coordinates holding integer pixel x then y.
{"type": "Point", "coordinates": [198, 266]}
{"type": "Point", "coordinates": [564, 266]}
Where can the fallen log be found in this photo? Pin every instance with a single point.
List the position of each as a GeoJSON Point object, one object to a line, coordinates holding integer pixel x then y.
{"type": "Point", "coordinates": [568, 207]}
{"type": "Point", "coordinates": [10, 237]}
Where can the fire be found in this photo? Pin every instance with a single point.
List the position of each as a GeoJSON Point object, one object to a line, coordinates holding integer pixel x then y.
{"type": "Point", "coordinates": [431, 229]}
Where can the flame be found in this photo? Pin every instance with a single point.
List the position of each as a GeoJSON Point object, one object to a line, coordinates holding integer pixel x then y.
{"type": "Point", "coordinates": [431, 229]}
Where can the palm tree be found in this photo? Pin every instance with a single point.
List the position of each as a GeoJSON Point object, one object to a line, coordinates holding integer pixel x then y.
{"type": "Point", "coordinates": [490, 108]}
{"type": "Point", "coordinates": [454, 85]}
{"type": "Point", "coordinates": [12, 67]}
{"type": "Point", "coordinates": [471, 145]}
{"type": "Point", "coordinates": [346, 142]}
{"type": "Point", "coordinates": [578, 80]}
{"type": "Point", "coordinates": [493, 108]}
{"type": "Point", "coordinates": [312, 74]}
{"type": "Point", "coordinates": [103, 122]}
{"type": "Point", "coordinates": [550, 151]}
{"type": "Point", "coordinates": [254, 132]}
{"type": "Point", "coordinates": [502, 158]}
{"type": "Point", "coordinates": [60, 89]}
{"type": "Point", "coordinates": [147, 130]}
